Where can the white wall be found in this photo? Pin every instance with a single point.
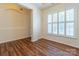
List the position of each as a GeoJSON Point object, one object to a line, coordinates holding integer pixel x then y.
{"type": "Point", "coordinates": [13, 24]}
{"type": "Point", "coordinates": [36, 24]}
{"type": "Point", "coordinates": [59, 7]}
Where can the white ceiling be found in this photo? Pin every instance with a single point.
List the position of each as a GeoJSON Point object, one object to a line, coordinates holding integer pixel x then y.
{"type": "Point", "coordinates": [43, 5]}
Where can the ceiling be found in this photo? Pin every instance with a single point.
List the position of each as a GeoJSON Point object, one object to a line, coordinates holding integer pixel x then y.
{"type": "Point", "coordinates": [43, 5]}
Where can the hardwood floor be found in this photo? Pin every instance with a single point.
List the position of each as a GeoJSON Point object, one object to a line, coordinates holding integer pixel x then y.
{"type": "Point", "coordinates": [43, 47]}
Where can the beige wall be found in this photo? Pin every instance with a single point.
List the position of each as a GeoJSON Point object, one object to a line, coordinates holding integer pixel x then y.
{"type": "Point", "coordinates": [69, 41]}
{"type": "Point", "coordinates": [35, 21]}
{"type": "Point", "coordinates": [14, 23]}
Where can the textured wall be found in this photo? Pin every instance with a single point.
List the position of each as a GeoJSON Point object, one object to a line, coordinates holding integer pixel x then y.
{"type": "Point", "coordinates": [14, 23]}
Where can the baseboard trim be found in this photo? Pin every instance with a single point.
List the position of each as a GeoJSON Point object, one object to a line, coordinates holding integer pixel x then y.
{"type": "Point", "coordinates": [28, 38]}
{"type": "Point", "coordinates": [76, 50]}
{"type": "Point", "coordinates": [60, 43]}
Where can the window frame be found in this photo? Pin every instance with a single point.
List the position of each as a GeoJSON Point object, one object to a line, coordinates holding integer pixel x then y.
{"type": "Point", "coordinates": [61, 22]}
{"type": "Point", "coordinates": [75, 26]}
{"type": "Point", "coordinates": [48, 23]}
{"type": "Point", "coordinates": [55, 23]}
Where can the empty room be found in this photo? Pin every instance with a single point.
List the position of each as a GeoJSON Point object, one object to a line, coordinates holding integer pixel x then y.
{"type": "Point", "coordinates": [39, 29]}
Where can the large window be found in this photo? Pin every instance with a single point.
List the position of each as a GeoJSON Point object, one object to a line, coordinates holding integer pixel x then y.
{"type": "Point", "coordinates": [61, 23]}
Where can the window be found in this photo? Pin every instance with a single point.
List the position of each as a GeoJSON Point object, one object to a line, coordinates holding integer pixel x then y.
{"type": "Point", "coordinates": [49, 23]}
{"type": "Point", "coordinates": [70, 22]}
{"type": "Point", "coordinates": [62, 23]}
{"type": "Point", "coordinates": [54, 23]}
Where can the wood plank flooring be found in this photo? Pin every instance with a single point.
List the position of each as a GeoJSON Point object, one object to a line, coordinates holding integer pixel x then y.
{"type": "Point", "coordinates": [43, 47]}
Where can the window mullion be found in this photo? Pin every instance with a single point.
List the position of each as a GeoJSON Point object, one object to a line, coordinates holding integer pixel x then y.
{"type": "Point", "coordinates": [65, 24]}
{"type": "Point", "coordinates": [52, 24]}
{"type": "Point", "coordinates": [57, 23]}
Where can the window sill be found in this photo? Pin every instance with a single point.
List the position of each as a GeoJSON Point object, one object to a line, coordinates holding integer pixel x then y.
{"type": "Point", "coordinates": [69, 37]}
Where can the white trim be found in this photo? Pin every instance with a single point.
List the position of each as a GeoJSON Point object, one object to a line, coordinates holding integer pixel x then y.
{"type": "Point", "coordinates": [57, 35]}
